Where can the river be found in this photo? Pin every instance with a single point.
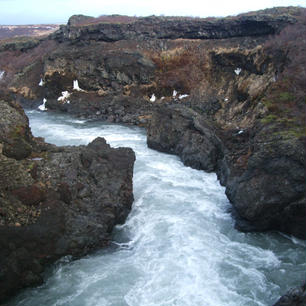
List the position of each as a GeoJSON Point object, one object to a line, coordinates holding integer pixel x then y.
{"type": "Point", "coordinates": [178, 245]}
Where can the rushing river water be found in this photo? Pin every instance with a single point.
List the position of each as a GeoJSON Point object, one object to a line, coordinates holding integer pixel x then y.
{"type": "Point", "coordinates": [178, 245]}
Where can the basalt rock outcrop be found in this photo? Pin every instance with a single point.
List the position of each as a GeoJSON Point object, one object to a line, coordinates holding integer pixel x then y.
{"type": "Point", "coordinates": [258, 155]}
{"type": "Point", "coordinates": [179, 130]}
{"type": "Point", "coordinates": [263, 172]}
{"type": "Point", "coordinates": [55, 201]}
{"type": "Point", "coordinates": [86, 29]}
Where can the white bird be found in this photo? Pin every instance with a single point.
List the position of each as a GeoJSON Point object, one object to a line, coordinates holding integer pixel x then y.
{"type": "Point", "coordinates": [76, 86]}
{"type": "Point", "coordinates": [42, 107]}
{"type": "Point", "coordinates": [64, 97]}
{"type": "Point", "coordinates": [237, 71]}
{"type": "Point", "coordinates": [153, 98]}
{"type": "Point", "coordinates": [41, 83]}
{"type": "Point", "coordinates": [183, 96]}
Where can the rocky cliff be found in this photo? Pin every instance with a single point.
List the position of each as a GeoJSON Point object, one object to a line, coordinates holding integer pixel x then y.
{"type": "Point", "coordinates": [226, 95]}
{"type": "Point", "coordinates": [82, 30]}
{"type": "Point", "coordinates": [55, 201]}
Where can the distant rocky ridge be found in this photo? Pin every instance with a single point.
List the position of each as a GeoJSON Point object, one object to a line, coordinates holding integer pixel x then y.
{"type": "Point", "coordinates": [154, 27]}
{"type": "Point", "coordinates": [9, 31]}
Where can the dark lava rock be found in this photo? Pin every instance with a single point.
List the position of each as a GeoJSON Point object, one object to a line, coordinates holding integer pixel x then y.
{"type": "Point", "coordinates": [95, 67]}
{"type": "Point", "coordinates": [270, 193]}
{"type": "Point", "coordinates": [179, 130]}
{"type": "Point", "coordinates": [15, 134]}
{"type": "Point", "coordinates": [119, 108]}
{"type": "Point", "coordinates": [172, 28]}
{"type": "Point", "coordinates": [294, 297]}
{"type": "Point", "coordinates": [67, 206]}
{"type": "Point", "coordinates": [265, 184]}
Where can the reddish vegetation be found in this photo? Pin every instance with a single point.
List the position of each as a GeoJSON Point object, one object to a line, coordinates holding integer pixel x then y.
{"type": "Point", "coordinates": [30, 195]}
{"type": "Point", "coordinates": [131, 19]}
{"type": "Point", "coordinates": [13, 62]}
{"type": "Point", "coordinates": [180, 68]}
{"type": "Point", "coordinates": [108, 19]}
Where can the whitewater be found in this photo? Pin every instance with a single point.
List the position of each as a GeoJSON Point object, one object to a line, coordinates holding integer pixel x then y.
{"type": "Point", "coordinates": [178, 246]}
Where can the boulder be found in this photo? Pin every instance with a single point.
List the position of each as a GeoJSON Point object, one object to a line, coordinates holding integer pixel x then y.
{"type": "Point", "coordinates": [58, 202]}
{"type": "Point", "coordinates": [178, 130]}
{"type": "Point", "coordinates": [294, 297]}
{"type": "Point", "coordinates": [270, 193]}
{"type": "Point", "coordinates": [264, 173]}
{"type": "Point", "coordinates": [15, 134]}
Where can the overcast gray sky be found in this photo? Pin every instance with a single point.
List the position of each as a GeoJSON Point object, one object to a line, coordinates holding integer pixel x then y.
{"type": "Point", "coordinates": [58, 11]}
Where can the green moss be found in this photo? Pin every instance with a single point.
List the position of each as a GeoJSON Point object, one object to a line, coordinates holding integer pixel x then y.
{"type": "Point", "coordinates": [269, 118]}
{"type": "Point", "coordinates": [286, 96]}
{"type": "Point", "coordinates": [18, 132]}
{"type": "Point", "coordinates": [295, 132]}
{"type": "Point", "coordinates": [31, 166]}
{"type": "Point", "coordinates": [267, 103]}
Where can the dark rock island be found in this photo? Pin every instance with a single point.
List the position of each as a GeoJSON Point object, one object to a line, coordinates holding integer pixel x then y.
{"type": "Point", "coordinates": [225, 94]}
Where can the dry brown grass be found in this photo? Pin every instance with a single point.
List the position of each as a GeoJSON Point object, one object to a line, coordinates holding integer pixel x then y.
{"type": "Point", "coordinates": [108, 19]}
{"type": "Point", "coordinates": [180, 68]}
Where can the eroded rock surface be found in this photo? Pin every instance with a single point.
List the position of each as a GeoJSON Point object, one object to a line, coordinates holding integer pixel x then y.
{"type": "Point", "coordinates": [55, 201]}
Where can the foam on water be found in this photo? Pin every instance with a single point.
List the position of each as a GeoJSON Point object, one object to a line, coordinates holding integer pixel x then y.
{"type": "Point", "coordinates": [178, 245]}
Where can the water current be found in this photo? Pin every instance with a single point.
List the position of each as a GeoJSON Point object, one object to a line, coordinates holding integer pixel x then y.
{"type": "Point", "coordinates": [178, 245]}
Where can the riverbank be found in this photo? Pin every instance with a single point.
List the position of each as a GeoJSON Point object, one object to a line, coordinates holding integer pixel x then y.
{"type": "Point", "coordinates": [178, 244]}
{"type": "Point", "coordinates": [55, 201]}
{"type": "Point", "coordinates": [234, 109]}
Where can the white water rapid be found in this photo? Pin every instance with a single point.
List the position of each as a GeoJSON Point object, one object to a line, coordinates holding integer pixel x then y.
{"type": "Point", "coordinates": [178, 245]}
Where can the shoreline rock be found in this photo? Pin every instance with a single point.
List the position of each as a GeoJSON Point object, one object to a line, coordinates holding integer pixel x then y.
{"type": "Point", "coordinates": [294, 297]}
{"type": "Point", "coordinates": [56, 201]}
{"type": "Point", "coordinates": [266, 189]}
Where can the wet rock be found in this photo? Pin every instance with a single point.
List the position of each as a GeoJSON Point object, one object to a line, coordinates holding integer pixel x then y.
{"type": "Point", "coordinates": [270, 193]}
{"type": "Point", "coordinates": [265, 184]}
{"type": "Point", "coordinates": [294, 297]}
{"type": "Point", "coordinates": [179, 130]}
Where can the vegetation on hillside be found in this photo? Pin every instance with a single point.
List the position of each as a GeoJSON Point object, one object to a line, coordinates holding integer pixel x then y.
{"type": "Point", "coordinates": [286, 99]}
{"type": "Point", "coordinates": [180, 68]}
